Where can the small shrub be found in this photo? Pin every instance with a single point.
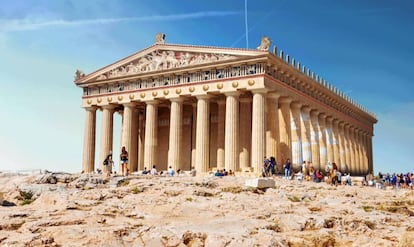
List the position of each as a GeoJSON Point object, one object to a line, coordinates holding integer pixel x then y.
{"type": "Point", "coordinates": [367, 208]}
{"type": "Point", "coordinates": [136, 190]}
{"type": "Point", "coordinates": [294, 199]}
{"type": "Point", "coordinates": [189, 199]}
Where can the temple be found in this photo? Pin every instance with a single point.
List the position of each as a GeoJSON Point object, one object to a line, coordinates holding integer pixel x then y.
{"type": "Point", "coordinates": [211, 107]}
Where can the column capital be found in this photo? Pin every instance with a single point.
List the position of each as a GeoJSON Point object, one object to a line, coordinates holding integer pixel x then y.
{"type": "Point", "coordinates": [130, 104]}
{"type": "Point", "coordinates": [314, 113]}
{"type": "Point", "coordinates": [306, 109]}
{"type": "Point", "coordinates": [204, 96]}
{"type": "Point", "coordinates": [273, 95]}
{"type": "Point", "coordinates": [296, 104]}
{"type": "Point", "coordinates": [234, 93]}
{"type": "Point", "coordinates": [109, 106]}
{"type": "Point", "coordinates": [322, 115]}
{"type": "Point", "coordinates": [90, 108]}
{"type": "Point", "coordinates": [260, 90]}
{"type": "Point", "coordinates": [285, 100]}
{"type": "Point", "coordinates": [177, 99]}
{"type": "Point", "coordinates": [329, 119]}
{"type": "Point", "coordinates": [152, 102]}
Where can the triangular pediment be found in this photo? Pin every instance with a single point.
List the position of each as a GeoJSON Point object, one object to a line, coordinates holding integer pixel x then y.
{"type": "Point", "coordinates": [164, 57]}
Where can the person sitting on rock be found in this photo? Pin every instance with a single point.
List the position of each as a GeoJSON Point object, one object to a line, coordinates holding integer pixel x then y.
{"type": "Point", "coordinates": [145, 171]}
{"type": "Point", "coordinates": [170, 171]}
{"type": "Point", "coordinates": [154, 170]}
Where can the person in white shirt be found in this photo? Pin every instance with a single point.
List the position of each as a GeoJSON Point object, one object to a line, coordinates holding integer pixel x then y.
{"type": "Point", "coordinates": [154, 171]}
{"type": "Point", "coordinates": [170, 171]}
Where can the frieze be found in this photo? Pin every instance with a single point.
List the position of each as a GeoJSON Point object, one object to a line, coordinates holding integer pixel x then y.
{"type": "Point", "coordinates": [162, 60]}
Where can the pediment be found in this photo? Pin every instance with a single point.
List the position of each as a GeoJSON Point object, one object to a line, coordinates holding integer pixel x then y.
{"type": "Point", "coordinates": [164, 57]}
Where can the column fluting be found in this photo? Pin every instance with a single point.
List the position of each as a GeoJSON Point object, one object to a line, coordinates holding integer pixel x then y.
{"type": "Point", "coordinates": [329, 139]}
{"type": "Point", "coordinates": [88, 162]}
{"type": "Point", "coordinates": [306, 134]}
{"type": "Point", "coordinates": [151, 134]}
{"type": "Point", "coordinates": [221, 132]}
{"type": "Point", "coordinates": [258, 129]}
{"type": "Point", "coordinates": [315, 139]}
{"type": "Point", "coordinates": [322, 141]}
{"type": "Point", "coordinates": [245, 133]}
{"type": "Point", "coordinates": [231, 146]}
{"type": "Point", "coordinates": [174, 148]}
{"type": "Point", "coordinates": [284, 150]}
{"type": "Point", "coordinates": [335, 143]}
{"type": "Point", "coordinates": [129, 134]}
{"type": "Point", "coordinates": [203, 134]}
{"type": "Point", "coordinates": [106, 135]}
{"type": "Point", "coordinates": [272, 126]}
{"type": "Point", "coordinates": [296, 136]}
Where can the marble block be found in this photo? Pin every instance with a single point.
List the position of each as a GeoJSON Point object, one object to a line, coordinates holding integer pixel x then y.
{"type": "Point", "coordinates": [260, 183]}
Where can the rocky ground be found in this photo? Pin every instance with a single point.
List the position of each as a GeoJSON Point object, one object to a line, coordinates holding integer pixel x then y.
{"type": "Point", "coordinates": [89, 210]}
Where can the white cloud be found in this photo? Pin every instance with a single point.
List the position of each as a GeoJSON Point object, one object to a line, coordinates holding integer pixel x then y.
{"type": "Point", "coordinates": [13, 25]}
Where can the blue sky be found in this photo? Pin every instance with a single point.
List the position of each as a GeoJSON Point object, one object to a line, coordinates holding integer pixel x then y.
{"type": "Point", "coordinates": [365, 48]}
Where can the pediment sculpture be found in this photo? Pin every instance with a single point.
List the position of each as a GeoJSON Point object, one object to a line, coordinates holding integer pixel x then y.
{"type": "Point", "coordinates": [160, 38]}
{"type": "Point", "coordinates": [162, 60]}
{"type": "Point", "coordinates": [265, 44]}
{"type": "Point", "coordinates": [79, 74]}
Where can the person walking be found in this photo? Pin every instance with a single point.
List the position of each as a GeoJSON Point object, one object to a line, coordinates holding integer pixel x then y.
{"type": "Point", "coordinates": [124, 161]}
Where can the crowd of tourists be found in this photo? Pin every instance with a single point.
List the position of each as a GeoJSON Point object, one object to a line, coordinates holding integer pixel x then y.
{"type": "Point", "coordinates": [306, 172]}
{"type": "Point", "coordinates": [395, 180]}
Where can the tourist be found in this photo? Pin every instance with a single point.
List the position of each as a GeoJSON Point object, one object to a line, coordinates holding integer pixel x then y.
{"type": "Point", "coordinates": [319, 176]}
{"type": "Point", "coordinates": [231, 173]}
{"type": "Point", "coordinates": [154, 171]}
{"type": "Point", "coordinates": [124, 161]}
{"type": "Point", "coordinates": [218, 173]}
{"type": "Point", "coordinates": [287, 169]}
{"type": "Point", "coordinates": [145, 171]}
{"type": "Point", "coordinates": [348, 179]}
{"type": "Point", "coordinates": [273, 165]}
{"type": "Point", "coordinates": [299, 176]}
{"type": "Point", "coordinates": [170, 171]}
{"type": "Point", "coordinates": [108, 163]}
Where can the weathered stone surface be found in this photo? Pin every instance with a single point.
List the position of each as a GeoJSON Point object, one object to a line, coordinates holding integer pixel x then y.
{"type": "Point", "coordinates": [191, 211]}
{"type": "Point", "coordinates": [260, 183]}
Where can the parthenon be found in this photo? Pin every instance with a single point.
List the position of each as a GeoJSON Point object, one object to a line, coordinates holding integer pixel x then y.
{"type": "Point", "coordinates": [222, 108]}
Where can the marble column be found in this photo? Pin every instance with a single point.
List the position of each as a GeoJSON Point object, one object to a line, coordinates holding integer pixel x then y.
{"type": "Point", "coordinates": [361, 153]}
{"type": "Point", "coordinates": [231, 146]}
{"type": "Point", "coordinates": [370, 158]}
{"type": "Point", "coordinates": [176, 126]}
{"type": "Point", "coordinates": [88, 163]}
{"type": "Point", "coordinates": [203, 134]}
{"type": "Point", "coordinates": [245, 132]}
{"type": "Point", "coordinates": [129, 134]}
{"type": "Point", "coordinates": [342, 147]}
{"type": "Point", "coordinates": [322, 141]}
{"type": "Point", "coordinates": [296, 136]}
{"type": "Point", "coordinates": [141, 141]}
{"type": "Point", "coordinates": [106, 135]}
{"type": "Point", "coordinates": [347, 149]}
{"type": "Point", "coordinates": [329, 139]}
{"type": "Point", "coordinates": [306, 133]}
{"type": "Point", "coordinates": [151, 134]}
{"type": "Point", "coordinates": [258, 129]}
{"type": "Point", "coordinates": [272, 126]}
{"type": "Point", "coordinates": [335, 143]}
{"type": "Point", "coordinates": [357, 154]}
{"type": "Point", "coordinates": [314, 131]}
{"type": "Point", "coordinates": [365, 152]}
{"type": "Point", "coordinates": [354, 168]}
{"type": "Point", "coordinates": [221, 133]}
{"type": "Point", "coordinates": [284, 150]}
{"type": "Point", "coordinates": [193, 136]}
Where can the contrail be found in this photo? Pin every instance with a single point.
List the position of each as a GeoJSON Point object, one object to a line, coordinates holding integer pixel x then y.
{"type": "Point", "coordinates": [245, 23]}
{"type": "Point", "coordinates": [30, 24]}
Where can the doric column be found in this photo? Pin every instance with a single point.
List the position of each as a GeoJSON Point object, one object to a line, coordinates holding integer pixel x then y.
{"type": "Point", "coordinates": [141, 138]}
{"type": "Point", "coordinates": [361, 153]}
{"type": "Point", "coordinates": [220, 133]}
{"type": "Point", "coordinates": [258, 129]}
{"type": "Point", "coordinates": [284, 150]}
{"type": "Point", "coordinates": [203, 134]}
{"type": "Point", "coordinates": [272, 126]}
{"type": "Point", "coordinates": [335, 143]}
{"type": "Point", "coordinates": [347, 149]}
{"type": "Point", "coordinates": [354, 168]}
{"type": "Point", "coordinates": [306, 133]}
{"type": "Point", "coordinates": [329, 139]}
{"type": "Point", "coordinates": [342, 144]}
{"type": "Point", "coordinates": [129, 134]}
{"type": "Point", "coordinates": [193, 136]}
{"type": "Point", "coordinates": [365, 152]}
{"type": "Point", "coordinates": [106, 134]}
{"type": "Point", "coordinates": [174, 148]}
{"type": "Point", "coordinates": [151, 134]}
{"type": "Point", "coordinates": [88, 163]}
{"type": "Point", "coordinates": [315, 139]}
{"type": "Point", "coordinates": [245, 134]}
{"type": "Point", "coordinates": [322, 141]}
{"type": "Point", "coordinates": [369, 148]}
{"type": "Point", "coordinates": [231, 147]}
{"type": "Point", "coordinates": [296, 136]}
{"type": "Point", "coordinates": [357, 152]}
